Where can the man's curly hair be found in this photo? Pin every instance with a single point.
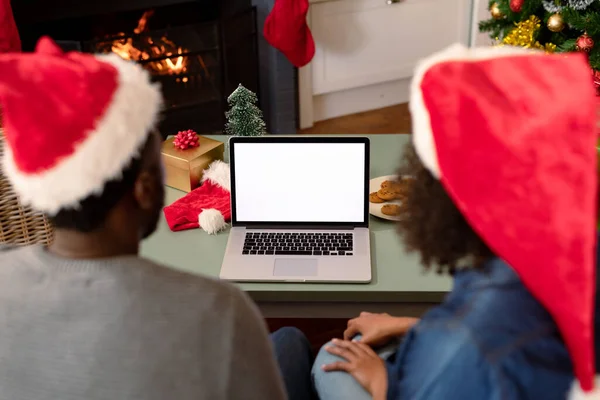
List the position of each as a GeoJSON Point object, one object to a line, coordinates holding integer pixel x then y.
{"type": "Point", "coordinates": [432, 225]}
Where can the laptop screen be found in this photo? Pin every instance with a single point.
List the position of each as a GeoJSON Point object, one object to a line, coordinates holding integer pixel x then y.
{"type": "Point", "coordinates": [300, 182]}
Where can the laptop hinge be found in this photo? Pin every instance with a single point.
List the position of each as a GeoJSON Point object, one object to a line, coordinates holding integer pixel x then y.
{"type": "Point", "coordinates": [303, 227]}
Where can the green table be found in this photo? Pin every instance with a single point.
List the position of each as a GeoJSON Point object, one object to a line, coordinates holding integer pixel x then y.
{"type": "Point", "coordinates": [399, 284]}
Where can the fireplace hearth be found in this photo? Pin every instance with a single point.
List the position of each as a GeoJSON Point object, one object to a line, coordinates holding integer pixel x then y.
{"type": "Point", "coordinates": [199, 51]}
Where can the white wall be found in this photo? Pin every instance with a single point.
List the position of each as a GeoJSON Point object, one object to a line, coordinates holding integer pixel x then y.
{"type": "Point", "coordinates": [480, 13]}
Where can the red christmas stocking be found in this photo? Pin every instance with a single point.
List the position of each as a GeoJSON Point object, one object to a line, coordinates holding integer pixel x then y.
{"type": "Point", "coordinates": [286, 30]}
{"type": "Point", "coordinates": [9, 35]}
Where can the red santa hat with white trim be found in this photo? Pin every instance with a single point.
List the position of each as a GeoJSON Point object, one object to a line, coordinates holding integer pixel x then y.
{"type": "Point", "coordinates": [208, 206]}
{"type": "Point", "coordinates": [72, 122]}
{"type": "Point", "coordinates": [511, 135]}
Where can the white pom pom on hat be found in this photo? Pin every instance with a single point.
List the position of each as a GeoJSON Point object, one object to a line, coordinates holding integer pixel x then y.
{"type": "Point", "coordinates": [212, 221]}
{"type": "Point", "coordinates": [207, 207]}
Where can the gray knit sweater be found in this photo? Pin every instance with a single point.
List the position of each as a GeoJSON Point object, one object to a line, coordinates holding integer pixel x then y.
{"type": "Point", "coordinates": [126, 328]}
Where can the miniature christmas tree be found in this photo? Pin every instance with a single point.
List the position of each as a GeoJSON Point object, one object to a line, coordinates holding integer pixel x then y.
{"type": "Point", "coordinates": [244, 118]}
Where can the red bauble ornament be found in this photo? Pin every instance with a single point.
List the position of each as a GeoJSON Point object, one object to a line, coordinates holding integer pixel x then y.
{"type": "Point", "coordinates": [186, 139]}
{"type": "Point", "coordinates": [516, 5]}
{"type": "Point", "coordinates": [584, 43]}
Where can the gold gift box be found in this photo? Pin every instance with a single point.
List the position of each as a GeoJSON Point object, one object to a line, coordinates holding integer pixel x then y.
{"type": "Point", "coordinates": [183, 168]}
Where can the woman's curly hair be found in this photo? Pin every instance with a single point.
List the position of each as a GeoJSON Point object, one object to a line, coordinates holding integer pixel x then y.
{"type": "Point", "coordinates": [432, 225]}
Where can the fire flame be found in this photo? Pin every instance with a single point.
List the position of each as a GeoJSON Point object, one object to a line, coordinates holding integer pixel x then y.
{"type": "Point", "coordinates": [145, 48]}
{"type": "Point", "coordinates": [141, 27]}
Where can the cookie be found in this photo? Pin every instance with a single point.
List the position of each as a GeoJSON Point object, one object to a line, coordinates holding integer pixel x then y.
{"type": "Point", "coordinates": [373, 198]}
{"type": "Point", "coordinates": [392, 186]}
{"type": "Point", "coordinates": [400, 195]}
{"type": "Point", "coordinates": [392, 210]}
{"type": "Point", "coordinates": [387, 184]}
{"type": "Point", "coordinates": [404, 187]}
{"type": "Point", "coordinates": [386, 194]}
{"type": "Point", "coordinates": [397, 188]}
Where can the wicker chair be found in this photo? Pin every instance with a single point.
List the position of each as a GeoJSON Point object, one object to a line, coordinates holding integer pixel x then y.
{"type": "Point", "coordinates": [19, 225]}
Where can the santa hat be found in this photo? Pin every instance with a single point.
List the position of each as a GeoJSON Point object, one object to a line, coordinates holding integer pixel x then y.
{"type": "Point", "coordinates": [208, 206]}
{"type": "Point", "coordinates": [510, 134]}
{"type": "Point", "coordinates": [72, 122]}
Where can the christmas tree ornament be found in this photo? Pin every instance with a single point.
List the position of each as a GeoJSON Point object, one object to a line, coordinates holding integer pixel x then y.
{"type": "Point", "coordinates": [580, 4]}
{"type": "Point", "coordinates": [548, 47]}
{"type": "Point", "coordinates": [496, 12]}
{"type": "Point", "coordinates": [207, 207]}
{"type": "Point", "coordinates": [523, 35]}
{"type": "Point", "coordinates": [286, 29]}
{"type": "Point", "coordinates": [516, 5]}
{"type": "Point", "coordinates": [551, 6]}
{"type": "Point", "coordinates": [244, 118]}
{"type": "Point", "coordinates": [563, 23]}
{"type": "Point", "coordinates": [186, 139]}
{"type": "Point", "coordinates": [556, 23]}
{"type": "Point", "coordinates": [83, 135]}
{"type": "Point", "coordinates": [584, 43]}
{"type": "Point", "coordinates": [596, 79]}
{"type": "Point", "coordinates": [462, 109]}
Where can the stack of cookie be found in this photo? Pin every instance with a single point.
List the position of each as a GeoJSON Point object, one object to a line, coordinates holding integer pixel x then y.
{"type": "Point", "coordinates": [390, 191]}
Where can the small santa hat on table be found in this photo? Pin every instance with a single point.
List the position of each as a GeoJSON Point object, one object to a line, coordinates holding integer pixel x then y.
{"type": "Point", "coordinates": [72, 122]}
{"type": "Point", "coordinates": [208, 206]}
{"type": "Point", "coordinates": [511, 135]}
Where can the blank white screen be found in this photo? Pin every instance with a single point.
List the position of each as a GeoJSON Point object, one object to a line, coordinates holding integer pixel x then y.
{"type": "Point", "coordinates": [300, 182]}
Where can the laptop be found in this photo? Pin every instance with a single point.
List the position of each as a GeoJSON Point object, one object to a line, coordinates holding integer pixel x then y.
{"type": "Point", "coordinates": [299, 210]}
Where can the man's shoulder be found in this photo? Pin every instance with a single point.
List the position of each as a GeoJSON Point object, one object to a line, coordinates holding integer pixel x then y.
{"type": "Point", "coordinates": [216, 302]}
{"type": "Point", "coordinates": [164, 276]}
{"type": "Point", "coordinates": [129, 275]}
{"type": "Point", "coordinates": [10, 252]}
{"type": "Point", "coordinates": [4, 247]}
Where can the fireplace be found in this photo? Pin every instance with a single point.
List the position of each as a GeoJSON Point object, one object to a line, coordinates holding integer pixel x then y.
{"type": "Point", "coordinates": [199, 51]}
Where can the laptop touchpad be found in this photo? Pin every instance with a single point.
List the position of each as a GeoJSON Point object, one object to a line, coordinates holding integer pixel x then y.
{"type": "Point", "coordinates": [295, 267]}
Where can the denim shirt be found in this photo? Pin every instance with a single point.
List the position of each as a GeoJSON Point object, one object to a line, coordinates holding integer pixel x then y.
{"type": "Point", "coordinates": [490, 339]}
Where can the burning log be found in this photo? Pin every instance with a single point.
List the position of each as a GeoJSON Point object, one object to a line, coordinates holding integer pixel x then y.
{"type": "Point", "coordinates": [141, 47]}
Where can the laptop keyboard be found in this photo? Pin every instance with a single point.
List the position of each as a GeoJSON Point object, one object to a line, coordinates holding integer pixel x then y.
{"type": "Point", "coordinates": [299, 244]}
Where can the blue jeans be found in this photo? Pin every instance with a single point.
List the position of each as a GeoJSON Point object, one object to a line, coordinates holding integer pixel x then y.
{"type": "Point", "coordinates": [341, 385]}
{"type": "Point", "coordinates": [295, 359]}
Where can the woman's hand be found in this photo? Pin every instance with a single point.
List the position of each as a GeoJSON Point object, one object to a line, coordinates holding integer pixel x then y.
{"type": "Point", "coordinates": [378, 329]}
{"type": "Point", "coordinates": [362, 363]}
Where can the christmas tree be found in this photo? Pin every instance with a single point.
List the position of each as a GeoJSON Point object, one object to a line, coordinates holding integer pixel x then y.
{"type": "Point", "coordinates": [556, 26]}
{"type": "Point", "coordinates": [244, 118]}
